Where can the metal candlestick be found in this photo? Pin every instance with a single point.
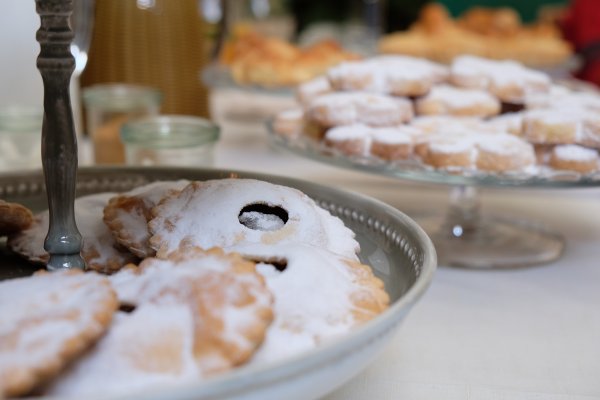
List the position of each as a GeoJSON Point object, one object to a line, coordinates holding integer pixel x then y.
{"type": "Point", "coordinates": [59, 143]}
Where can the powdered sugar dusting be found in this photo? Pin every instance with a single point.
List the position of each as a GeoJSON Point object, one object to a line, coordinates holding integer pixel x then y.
{"type": "Point", "coordinates": [348, 132]}
{"type": "Point", "coordinates": [575, 153]}
{"type": "Point", "coordinates": [151, 347]}
{"type": "Point", "coordinates": [457, 97]}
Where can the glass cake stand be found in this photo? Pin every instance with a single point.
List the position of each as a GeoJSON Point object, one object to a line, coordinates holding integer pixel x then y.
{"type": "Point", "coordinates": [463, 235]}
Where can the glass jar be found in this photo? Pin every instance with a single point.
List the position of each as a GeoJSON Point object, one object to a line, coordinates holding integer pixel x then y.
{"type": "Point", "coordinates": [107, 107]}
{"type": "Point", "coordinates": [170, 140]}
{"type": "Point", "coordinates": [20, 138]}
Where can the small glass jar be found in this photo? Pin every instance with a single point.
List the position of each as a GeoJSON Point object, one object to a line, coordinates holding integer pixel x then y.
{"type": "Point", "coordinates": [20, 138]}
{"type": "Point", "coordinates": [175, 140]}
{"type": "Point", "coordinates": [107, 107]}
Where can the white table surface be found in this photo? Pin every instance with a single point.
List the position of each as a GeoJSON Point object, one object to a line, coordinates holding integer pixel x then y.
{"type": "Point", "coordinates": [520, 334]}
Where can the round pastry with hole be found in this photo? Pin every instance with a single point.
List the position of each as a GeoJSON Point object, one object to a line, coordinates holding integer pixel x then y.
{"type": "Point", "coordinates": [49, 319]}
{"type": "Point", "coordinates": [100, 250]}
{"type": "Point", "coordinates": [229, 212]}
{"type": "Point", "coordinates": [343, 295]}
{"type": "Point", "coordinates": [194, 315]}
{"type": "Point", "coordinates": [127, 214]}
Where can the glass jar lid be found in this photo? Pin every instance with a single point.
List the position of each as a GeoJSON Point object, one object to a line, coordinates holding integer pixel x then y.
{"type": "Point", "coordinates": [21, 119]}
{"type": "Point", "coordinates": [169, 131]}
{"type": "Point", "coordinates": [121, 97]}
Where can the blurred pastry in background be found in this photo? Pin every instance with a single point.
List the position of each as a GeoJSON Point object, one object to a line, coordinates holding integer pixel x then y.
{"type": "Point", "coordinates": [255, 59]}
{"type": "Point", "coordinates": [496, 33]}
{"type": "Point", "coordinates": [491, 22]}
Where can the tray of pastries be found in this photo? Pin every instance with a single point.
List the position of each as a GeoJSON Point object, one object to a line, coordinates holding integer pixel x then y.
{"type": "Point", "coordinates": [477, 120]}
{"type": "Point", "coordinates": [202, 284]}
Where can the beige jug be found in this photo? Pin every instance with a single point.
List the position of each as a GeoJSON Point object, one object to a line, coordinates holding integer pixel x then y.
{"type": "Point", "coordinates": [156, 43]}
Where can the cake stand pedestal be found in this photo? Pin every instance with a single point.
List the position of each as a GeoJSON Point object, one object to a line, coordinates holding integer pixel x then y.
{"type": "Point", "coordinates": [466, 237]}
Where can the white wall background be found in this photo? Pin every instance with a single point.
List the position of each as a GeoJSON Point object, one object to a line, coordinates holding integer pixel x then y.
{"type": "Point", "coordinates": [20, 81]}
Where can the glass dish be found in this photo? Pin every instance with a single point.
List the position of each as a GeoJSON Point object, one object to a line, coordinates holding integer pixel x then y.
{"type": "Point", "coordinates": [399, 251]}
{"type": "Point", "coordinates": [462, 235]}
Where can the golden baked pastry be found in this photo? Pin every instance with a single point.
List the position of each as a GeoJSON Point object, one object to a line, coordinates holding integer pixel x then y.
{"type": "Point", "coordinates": [254, 59]}
{"type": "Point", "coordinates": [127, 214]}
{"type": "Point", "coordinates": [14, 218]}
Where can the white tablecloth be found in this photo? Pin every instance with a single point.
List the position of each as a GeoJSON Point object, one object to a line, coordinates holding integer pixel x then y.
{"type": "Point", "coordinates": [520, 334]}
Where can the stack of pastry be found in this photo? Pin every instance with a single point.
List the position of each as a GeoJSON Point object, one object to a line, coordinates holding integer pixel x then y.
{"type": "Point", "coordinates": [493, 33]}
{"type": "Point", "coordinates": [255, 59]}
{"type": "Point", "coordinates": [204, 277]}
{"type": "Point", "coordinates": [453, 118]}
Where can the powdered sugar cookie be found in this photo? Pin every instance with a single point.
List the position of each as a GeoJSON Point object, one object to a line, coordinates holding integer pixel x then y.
{"type": "Point", "coordinates": [127, 214]}
{"type": "Point", "coordinates": [554, 96]}
{"type": "Point", "coordinates": [574, 158]}
{"type": "Point", "coordinates": [347, 108]}
{"type": "Point", "coordinates": [353, 140]}
{"type": "Point", "coordinates": [394, 143]}
{"type": "Point", "coordinates": [509, 122]}
{"type": "Point", "coordinates": [503, 153]}
{"type": "Point", "coordinates": [14, 218]}
{"type": "Point", "coordinates": [450, 151]}
{"type": "Point", "coordinates": [443, 128]}
{"type": "Point", "coordinates": [229, 212]}
{"type": "Point", "coordinates": [289, 122]}
{"type": "Point", "coordinates": [445, 123]}
{"type": "Point", "coordinates": [555, 126]}
{"type": "Point", "coordinates": [100, 250]}
{"type": "Point", "coordinates": [307, 91]}
{"type": "Point", "coordinates": [196, 314]}
{"type": "Point", "coordinates": [397, 75]}
{"type": "Point", "coordinates": [350, 291]}
{"type": "Point", "coordinates": [48, 319]}
{"type": "Point", "coordinates": [510, 81]}
{"type": "Point", "coordinates": [445, 99]}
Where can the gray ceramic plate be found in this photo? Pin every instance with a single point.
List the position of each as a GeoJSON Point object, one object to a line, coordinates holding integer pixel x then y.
{"type": "Point", "coordinates": [394, 245]}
